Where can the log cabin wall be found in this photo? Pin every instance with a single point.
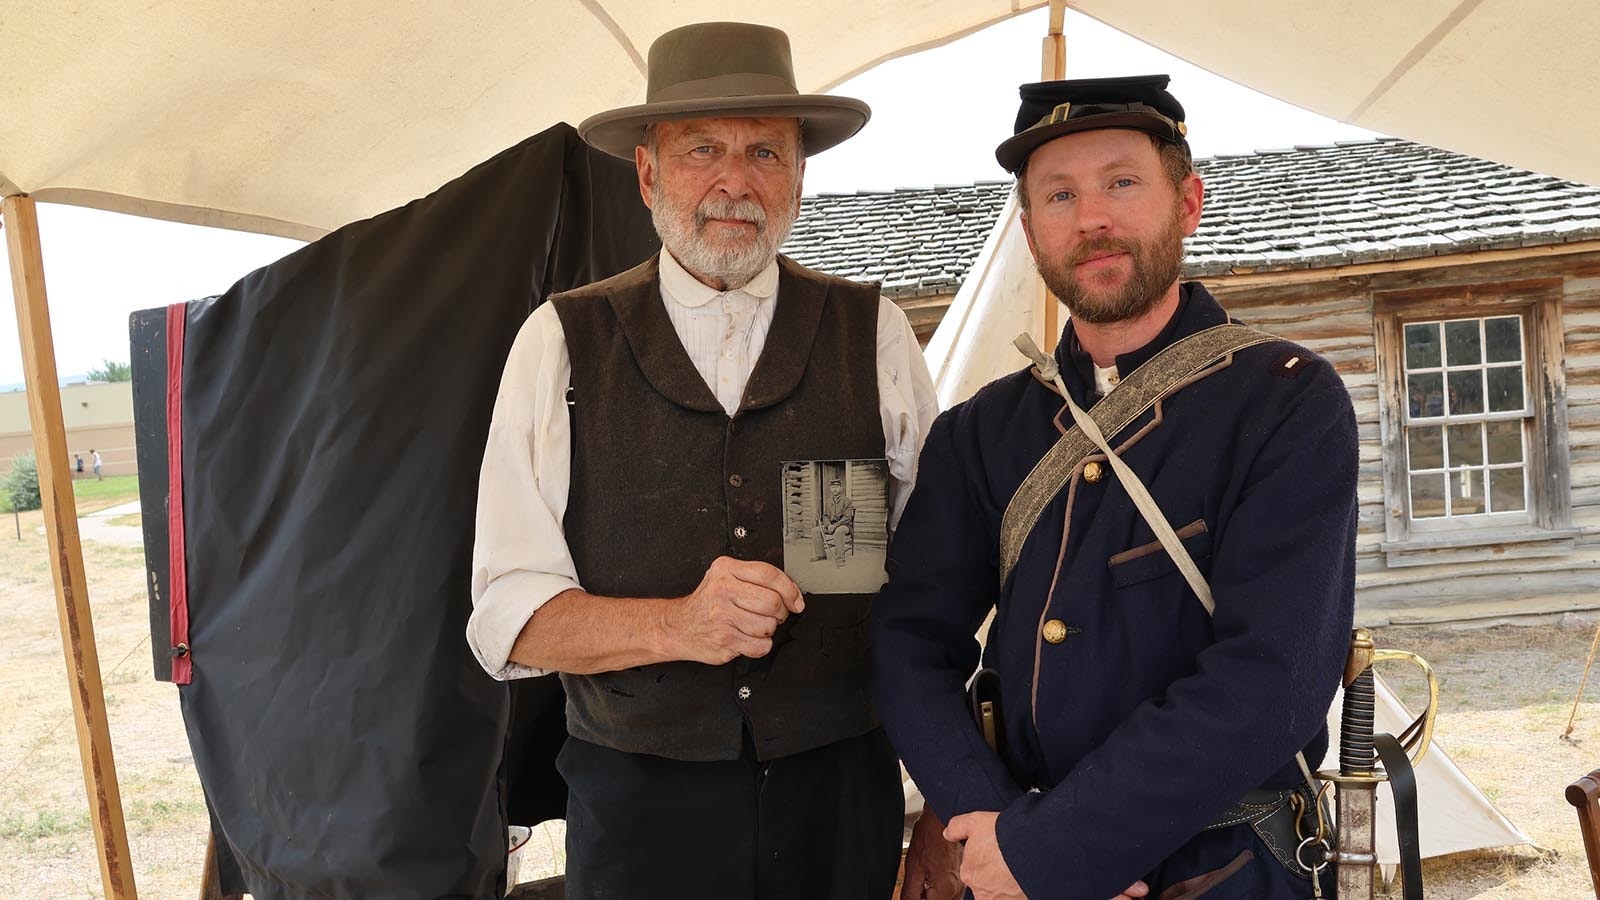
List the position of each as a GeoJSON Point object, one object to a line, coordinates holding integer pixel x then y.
{"type": "Point", "coordinates": [1339, 314]}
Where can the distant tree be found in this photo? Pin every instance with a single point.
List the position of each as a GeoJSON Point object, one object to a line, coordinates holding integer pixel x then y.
{"type": "Point", "coordinates": [112, 371]}
{"type": "Point", "coordinates": [21, 485]}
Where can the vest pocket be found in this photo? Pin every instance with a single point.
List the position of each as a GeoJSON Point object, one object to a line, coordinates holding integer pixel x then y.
{"type": "Point", "coordinates": [847, 641]}
{"type": "Point", "coordinates": [841, 623]}
{"type": "Point", "coordinates": [1150, 561]}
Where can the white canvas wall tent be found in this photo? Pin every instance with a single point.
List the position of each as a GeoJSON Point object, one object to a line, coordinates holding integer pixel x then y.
{"type": "Point", "coordinates": [295, 118]}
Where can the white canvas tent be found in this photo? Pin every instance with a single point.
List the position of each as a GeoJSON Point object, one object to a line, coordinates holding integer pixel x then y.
{"type": "Point", "coordinates": [294, 118]}
{"type": "Point", "coordinates": [972, 346]}
{"type": "Point", "coordinates": [297, 117]}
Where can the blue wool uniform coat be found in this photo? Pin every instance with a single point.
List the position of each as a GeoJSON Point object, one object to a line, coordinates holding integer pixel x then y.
{"type": "Point", "coordinates": [1150, 718]}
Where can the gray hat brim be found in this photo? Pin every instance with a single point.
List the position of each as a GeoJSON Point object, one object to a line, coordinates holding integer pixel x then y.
{"type": "Point", "coordinates": [825, 121]}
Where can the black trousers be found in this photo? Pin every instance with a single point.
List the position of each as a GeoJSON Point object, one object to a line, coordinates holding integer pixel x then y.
{"type": "Point", "coordinates": [820, 825]}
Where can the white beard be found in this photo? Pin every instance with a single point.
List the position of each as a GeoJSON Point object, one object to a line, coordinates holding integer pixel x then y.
{"type": "Point", "coordinates": [731, 264]}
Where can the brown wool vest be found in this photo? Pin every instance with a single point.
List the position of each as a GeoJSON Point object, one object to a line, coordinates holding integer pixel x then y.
{"type": "Point", "coordinates": [664, 482]}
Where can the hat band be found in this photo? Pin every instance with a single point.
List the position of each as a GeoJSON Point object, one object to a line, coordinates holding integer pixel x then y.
{"type": "Point", "coordinates": [1066, 112]}
{"type": "Point", "coordinates": [740, 84]}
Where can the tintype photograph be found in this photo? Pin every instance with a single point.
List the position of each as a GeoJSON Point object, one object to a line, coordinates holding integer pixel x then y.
{"type": "Point", "coordinates": [836, 524]}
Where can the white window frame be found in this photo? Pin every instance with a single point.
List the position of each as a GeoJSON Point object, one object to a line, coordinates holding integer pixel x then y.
{"type": "Point", "coordinates": [1449, 417]}
{"type": "Point", "coordinates": [1545, 524]}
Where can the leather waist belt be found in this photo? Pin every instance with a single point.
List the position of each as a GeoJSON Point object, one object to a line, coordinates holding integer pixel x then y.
{"type": "Point", "coordinates": [1272, 816]}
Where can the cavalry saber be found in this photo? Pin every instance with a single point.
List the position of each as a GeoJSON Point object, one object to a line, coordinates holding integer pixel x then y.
{"type": "Point", "coordinates": [1355, 808]}
{"type": "Point", "coordinates": [1354, 855]}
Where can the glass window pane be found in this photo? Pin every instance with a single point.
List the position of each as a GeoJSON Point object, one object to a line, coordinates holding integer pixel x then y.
{"type": "Point", "coordinates": [1466, 445]}
{"type": "Point", "coordinates": [1422, 346]}
{"type": "Point", "coordinates": [1503, 337]}
{"type": "Point", "coordinates": [1466, 492]}
{"type": "Point", "coordinates": [1427, 496]}
{"type": "Point", "coordinates": [1505, 442]}
{"type": "Point", "coordinates": [1461, 347]}
{"type": "Point", "coordinates": [1427, 394]}
{"type": "Point", "coordinates": [1506, 490]}
{"type": "Point", "coordinates": [1426, 446]}
{"type": "Point", "coordinates": [1505, 388]}
{"type": "Point", "coordinates": [1466, 392]}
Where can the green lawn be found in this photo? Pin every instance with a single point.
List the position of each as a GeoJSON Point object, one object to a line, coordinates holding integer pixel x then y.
{"type": "Point", "coordinates": [115, 489]}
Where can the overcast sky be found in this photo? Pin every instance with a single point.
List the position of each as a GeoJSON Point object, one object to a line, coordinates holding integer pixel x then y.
{"type": "Point", "coordinates": [937, 117]}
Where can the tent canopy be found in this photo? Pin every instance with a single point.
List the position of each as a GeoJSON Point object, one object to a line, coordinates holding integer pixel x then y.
{"type": "Point", "coordinates": [296, 117]}
{"type": "Point", "coordinates": [1503, 80]}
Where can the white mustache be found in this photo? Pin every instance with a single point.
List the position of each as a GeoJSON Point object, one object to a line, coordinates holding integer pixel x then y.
{"type": "Point", "coordinates": [735, 210]}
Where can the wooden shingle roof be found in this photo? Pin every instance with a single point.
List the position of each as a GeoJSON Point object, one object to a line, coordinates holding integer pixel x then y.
{"type": "Point", "coordinates": [1276, 210]}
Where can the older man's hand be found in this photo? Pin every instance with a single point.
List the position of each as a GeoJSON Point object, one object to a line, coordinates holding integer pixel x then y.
{"type": "Point", "coordinates": [734, 611]}
{"type": "Point", "coordinates": [933, 864]}
{"type": "Point", "coordinates": [984, 869]}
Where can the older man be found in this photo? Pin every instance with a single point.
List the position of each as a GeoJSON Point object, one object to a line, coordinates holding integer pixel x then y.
{"type": "Point", "coordinates": [630, 519]}
{"type": "Point", "coordinates": [1146, 745]}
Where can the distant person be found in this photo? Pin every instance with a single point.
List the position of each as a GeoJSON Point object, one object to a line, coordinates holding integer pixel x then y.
{"type": "Point", "coordinates": [78, 458]}
{"type": "Point", "coordinates": [95, 456]}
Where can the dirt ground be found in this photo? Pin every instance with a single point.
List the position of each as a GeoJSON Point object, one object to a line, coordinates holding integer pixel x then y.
{"type": "Point", "coordinates": [1506, 695]}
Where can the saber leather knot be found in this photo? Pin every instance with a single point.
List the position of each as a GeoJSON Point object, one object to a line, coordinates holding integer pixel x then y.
{"type": "Point", "coordinates": [1045, 362]}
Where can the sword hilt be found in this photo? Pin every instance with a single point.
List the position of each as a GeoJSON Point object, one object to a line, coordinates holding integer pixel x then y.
{"type": "Point", "coordinates": [1356, 753]}
{"type": "Point", "coordinates": [1359, 713]}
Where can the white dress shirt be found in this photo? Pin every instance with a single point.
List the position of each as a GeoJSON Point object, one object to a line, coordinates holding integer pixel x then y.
{"type": "Point", "coordinates": [520, 558]}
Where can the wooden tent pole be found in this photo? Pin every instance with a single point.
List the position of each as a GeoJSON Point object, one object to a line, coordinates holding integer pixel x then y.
{"type": "Point", "coordinates": [21, 224]}
{"type": "Point", "coordinates": [1053, 67]}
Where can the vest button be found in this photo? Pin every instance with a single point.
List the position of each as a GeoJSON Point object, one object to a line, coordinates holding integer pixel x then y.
{"type": "Point", "coordinates": [1093, 472]}
{"type": "Point", "coordinates": [744, 692]}
{"type": "Point", "coordinates": [1055, 631]}
{"type": "Point", "coordinates": [740, 532]}
{"type": "Point", "coordinates": [736, 480]}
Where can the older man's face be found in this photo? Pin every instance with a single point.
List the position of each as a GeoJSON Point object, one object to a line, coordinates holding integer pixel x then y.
{"type": "Point", "coordinates": [723, 193]}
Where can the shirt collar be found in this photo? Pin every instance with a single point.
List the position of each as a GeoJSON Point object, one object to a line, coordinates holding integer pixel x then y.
{"type": "Point", "coordinates": [1197, 310]}
{"type": "Point", "coordinates": [686, 290]}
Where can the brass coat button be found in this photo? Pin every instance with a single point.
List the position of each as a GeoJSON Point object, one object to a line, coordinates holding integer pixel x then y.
{"type": "Point", "coordinates": [1055, 631]}
{"type": "Point", "coordinates": [1093, 472]}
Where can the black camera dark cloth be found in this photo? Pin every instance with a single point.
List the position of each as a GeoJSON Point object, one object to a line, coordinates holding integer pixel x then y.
{"type": "Point", "coordinates": [335, 407]}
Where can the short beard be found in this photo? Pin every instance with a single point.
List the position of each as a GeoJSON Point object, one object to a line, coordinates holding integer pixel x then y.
{"type": "Point", "coordinates": [1156, 266]}
{"type": "Point", "coordinates": [730, 267]}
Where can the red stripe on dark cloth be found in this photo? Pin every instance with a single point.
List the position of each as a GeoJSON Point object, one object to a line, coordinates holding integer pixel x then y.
{"type": "Point", "coordinates": [178, 575]}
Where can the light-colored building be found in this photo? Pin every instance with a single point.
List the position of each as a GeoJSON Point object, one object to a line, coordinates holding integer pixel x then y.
{"type": "Point", "coordinates": [98, 416]}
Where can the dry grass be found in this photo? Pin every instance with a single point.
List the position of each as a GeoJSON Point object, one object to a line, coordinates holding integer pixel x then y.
{"type": "Point", "coordinates": [46, 844]}
{"type": "Point", "coordinates": [1506, 695]}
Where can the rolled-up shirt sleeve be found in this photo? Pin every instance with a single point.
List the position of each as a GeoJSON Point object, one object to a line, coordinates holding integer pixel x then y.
{"type": "Point", "coordinates": [906, 400]}
{"type": "Point", "coordinates": [520, 557]}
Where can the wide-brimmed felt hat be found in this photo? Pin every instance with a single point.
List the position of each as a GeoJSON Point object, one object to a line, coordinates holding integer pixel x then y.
{"type": "Point", "coordinates": [1051, 109]}
{"type": "Point", "coordinates": [717, 69]}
